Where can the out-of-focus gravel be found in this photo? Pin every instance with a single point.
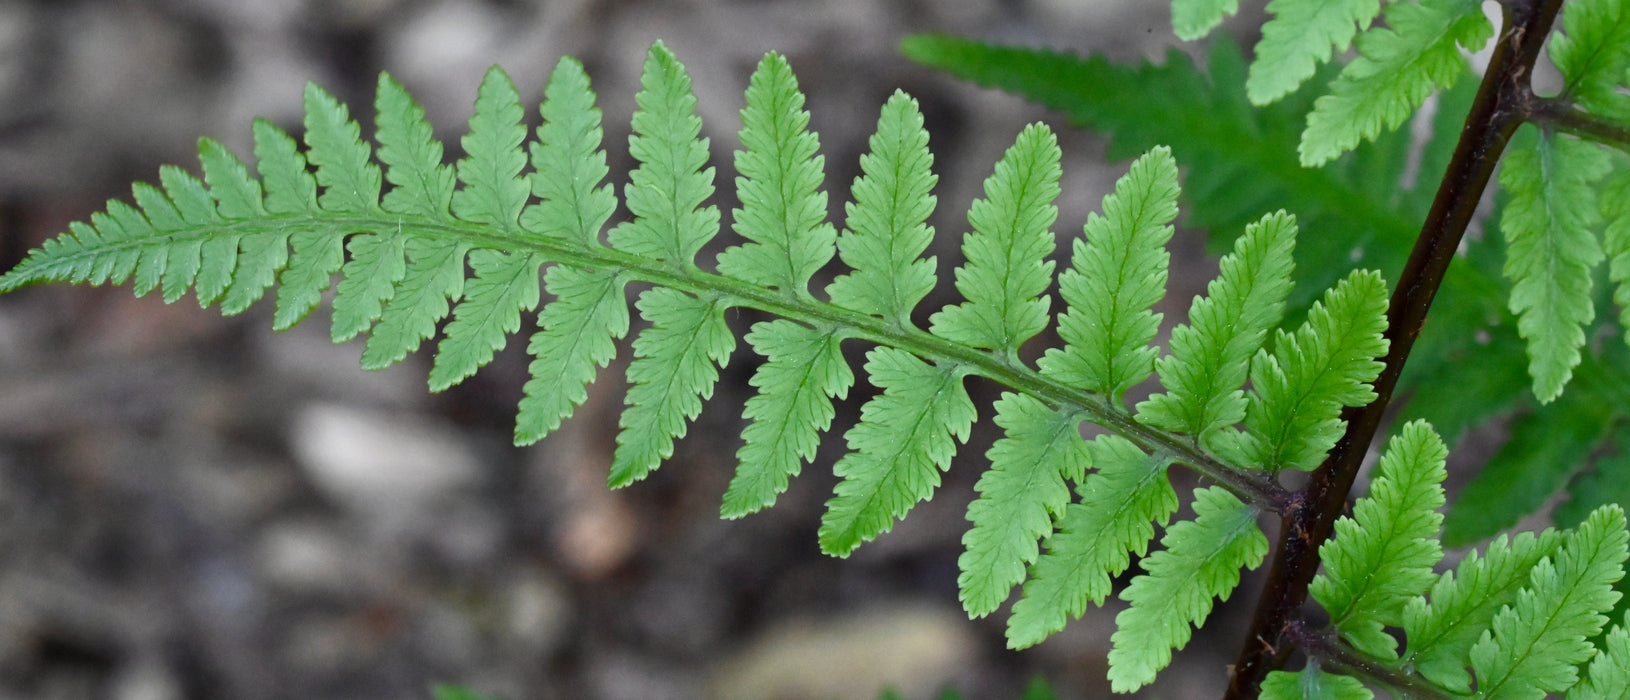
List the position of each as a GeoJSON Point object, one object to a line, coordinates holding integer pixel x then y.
{"type": "Point", "coordinates": [196, 507]}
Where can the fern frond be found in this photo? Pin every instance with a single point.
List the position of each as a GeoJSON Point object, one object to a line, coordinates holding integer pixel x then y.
{"type": "Point", "coordinates": [1312, 683]}
{"type": "Point", "coordinates": [1210, 355]}
{"type": "Point", "coordinates": [804, 370]}
{"type": "Point", "coordinates": [1193, 19]}
{"type": "Point", "coordinates": [676, 363]}
{"type": "Point", "coordinates": [1548, 224]}
{"type": "Point", "coordinates": [1609, 671]}
{"type": "Point", "coordinates": [886, 230]}
{"type": "Point", "coordinates": [1534, 646]}
{"type": "Point", "coordinates": [897, 450]}
{"type": "Point", "coordinates": [1129, 495]}
{"type": "Point", "coordinates": [1398, 67]}
{"type": "Point", "coordinates": [666, 191]}
{"type": "Point", "coordinates": [783, 212]}
{"type": "Point", "coordinates": [1384, 554]}
{"type": "Point", "coordinates": [1118, 272]}
{"type": "Point", "coordinates": [351, 184]}
{"type": "Point", "coordinates": [1300, 389]}
{"type": "Point", "coordinates": [1463, 602]}
{"type": "Point", "coordinates": [237, 196]}
{"type": "Point", "coordinates": [1299, 36]}
{"type": "Point", "coordinates": [1592, 52]}
{"type": "Point", "coordinates": [1615, 199]}
{"type": "Point", "coordinates": [579, 333]}
{"type": "Point", "coordinates": [1006, 271]}
{"type": "Point", "coordinates": [1019, 496]}
{"type": "Point", "coordinates": [1201, 559]}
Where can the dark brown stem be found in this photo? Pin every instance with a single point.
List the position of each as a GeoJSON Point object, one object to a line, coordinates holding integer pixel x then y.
{"type": "Point", "coordinates": [1566, 117]}
{"type": "Point", "coordinates": [1496, 113]}
{"type": "Point", "coordinates": [1329, 653]}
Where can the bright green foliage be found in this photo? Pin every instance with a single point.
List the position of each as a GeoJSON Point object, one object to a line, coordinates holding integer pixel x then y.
{"type": "Point", "coordinates": [1592, 52]}
{"type": "Point", "coordinates": [1312, 683]}
{"type": "Point", "coordinates": [903, 441]}
{"type": "Point", "coordinates": [1535, 645]}
{"type": "Point", "coordinates": [1299, 390]}
{"type": "Point", "coordinates": [578, 334]}
{"type": "Point", "coordinates": [1463, 604]}
{"type": "Point", "coordinates": [1615, 199]}
{"type": "Point", "coordinates": [666, 191]}
{"type": "Point", "coordinates": [1300, 36]}
{"type": "Point", "coordinates": [1386, 551]}
{"type": "Point", "coordinates": [803, 372]}
{"type": "Point", "coordinates": [1609, 674]}
{"type": "Point", "coordinates": [1548, 224]}
{"type": "Point", "coordinates": [1005, 270]}
{"type": "Point", "coordinates": [783, 212]}
{"type": "Point", "coordinates": [1210, 354]}
{"type": "Point", "coordinates": [1201, 560]}
{"type": "Point", "coordinates": [1129, 494]}
{"type": "Point", "coordinates": [1398, 67]}
{"type": "Point", "coordinates": [1193, 19]}
{"type": "Point", "coordinates": [1019, 496]}
{"type": "Point", "coordinates": [886, 231]}
{"type": "Point", "coordinates": [1118, 272]}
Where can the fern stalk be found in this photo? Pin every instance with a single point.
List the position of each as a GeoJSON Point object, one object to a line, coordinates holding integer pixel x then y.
{"type": "Point", "coordinates": [1310, 518]}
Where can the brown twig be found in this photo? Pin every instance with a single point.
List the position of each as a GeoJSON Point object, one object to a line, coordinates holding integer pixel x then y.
{"type": "Point", "coordinates": [1496, 113]}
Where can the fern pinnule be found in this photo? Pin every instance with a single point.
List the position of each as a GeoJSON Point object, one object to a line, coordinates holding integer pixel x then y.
{"type": "Point", "coordinates": [237, 196]}
{"type": "Point", "coordinates": [783, 212]}
{"type": "Point", "coordinates": [1535, 645]}
{"type": "Point", "coordinates": [1200, 560]}
{"type": "Point", "coordinates": [1193, 19]}
{"type": "Point", "coordinates": [1298, 37]}
{"type": "Point", "coordinates": [1118, 271]}
{"type": "Point", "coordinates": [1385, 552]}
{"type": "Point", "coordinates": [1006, 271]}
{"type": "Point", "coordinates": [1552, 251]}
{"type": "Point", "coordinates": [886, 230]}
{"type": "Point", "coordinates": [1210, 355]}
{"type": "Point", "coordinates": [1399, 65]}
{"type": "Point", "coordinates": [1592, 52]}
{"type": "Point", "coordinates": [1313, 683]}
{"type": "Point", "coordinates": [1608, 675]}
{"type": "Point", "coordinates": [1020, 495]}
{"type": "Point", "coordinates": [1292, 419]}
{"type": "Point", "coordinates": [1129, 495]}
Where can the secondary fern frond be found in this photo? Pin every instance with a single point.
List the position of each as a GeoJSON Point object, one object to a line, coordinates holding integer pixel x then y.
{"type": "Point", "coordinates": [1201, 560]}
{"type": "Point", "coordinates": [1592, 52]}
{"type": "Point", "coordinates": [1386, 551]}
{"type": "Point", "coordinates": [1298, 37]}
{"type": "Point", "coordinates": [1398, 67]}
{"type": "Point", "coordinates": [1609, 673]}
{"type": "Point", "coordinates": [1118, 272]}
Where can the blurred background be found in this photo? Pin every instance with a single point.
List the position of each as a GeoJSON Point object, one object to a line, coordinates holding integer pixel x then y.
{"type": "Point", "coordinates": [195, 507]}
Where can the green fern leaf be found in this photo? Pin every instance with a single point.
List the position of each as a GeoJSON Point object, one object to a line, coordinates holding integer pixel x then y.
{"type": "Point", "coordinates": [886, 231]}
{"type": "Point", "coordinates": [1118, 272]}
{"type": "Point", "coordinates": [579, 333]}
{"type": "Point", "coordinates": [803, 372]}
{"type": "Point", "coordinates": [903, 441]}
{"type": "Point", "coordinates": [1293, 416]}
{"type": "Point", "coordinates": [1615, 199]}
{"type": "Point", "coordinates": [1441, 633]}
{"type": "Point", "coordinates": [783, 211]}
{"type": "Point", "coordinates": [1300, 36]}
{"type": "Point", "coordinates": [1609, 674]}
{"type": "Point", "coordinates": [1193, 19]}
{"type": "Point", "coordinates": [1592, 52]}
{"type": "Point", "coordinates": [666, 191]}
{"type": "Point", "coordinates": [1312, 683]}
{"type": "Point", "coordinates": [1398, 67]}
{"type": "Point", "coordinates": [421, 186]}
{"type": "Point", "coordinates": [1551, 250]}
{"type": "Point", "coordinates": [675, 366]}
{"type": "Point", "coordinates": [237, 196]}
{"type": "Point", "coordinates": [165, 213]}
{"type": "Point", "coordinates": [1386, 551]}
{"type": "Point", "coordinates": [1201, 559]}
{"type": "Point", "coordinates": [1210, 355]}
{"type": "Point", "coordinates": [1019, 496]}
{"type": "Point", "coordinates": [1534, 646]}
{"type": "Point", "coordinates": [574, 201]}
{"type": "Point", "coordinates": [1129, 495]}
{"type": "Point", "coordinates": [1005, 272]}
{"type": "Point", "coordinates": [290, 189]}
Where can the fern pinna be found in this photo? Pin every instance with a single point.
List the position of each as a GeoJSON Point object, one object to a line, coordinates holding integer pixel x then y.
{"type": "Point", "coordinates": [470, 243]}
